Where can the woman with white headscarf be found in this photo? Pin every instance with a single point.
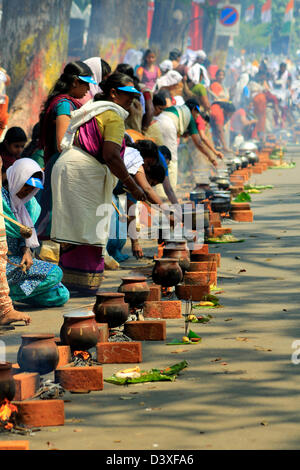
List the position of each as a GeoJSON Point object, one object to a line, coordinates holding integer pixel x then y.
{"type": "Point", "coordinates": [101, 69]}
{"type": "Point", "coordinates": [31, 281]}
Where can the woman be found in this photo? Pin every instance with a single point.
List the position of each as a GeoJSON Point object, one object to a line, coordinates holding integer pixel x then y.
{"type": "Point", "coordinates": [31, 281]}
{"type": "Point", "coordinates": [83, 180]}
{"type": "Point", "coordinates": [194, 87]}
{"type": "Point", "coordinates": [12, 147]}
{"type": "Point", "coordinates": [55, 117]}
{"type": "Point", "coordinates": [174, 122]}
{"type": "Point", "coordinates": [173, 82]}
{"type": "Point", "coordinates": [220, 113]}
{"type": "Point", "coordinates": [8, 314]}
{"type": "Point", "coordinates": [101, 70]}
{"type": "Point", "coordinates": [148, 72]}
{"type": "Point", "coordinates": [141, 110]}
{"type": "Point", "coordinates": [146, 175]}
{"type": "Point", "coordinates": [32, 150]}
{"type": "Point", "coordinates": [217, 89]}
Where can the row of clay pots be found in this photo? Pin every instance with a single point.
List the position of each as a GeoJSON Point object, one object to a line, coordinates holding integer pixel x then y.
{"type": "Point", "coordinates": [201, 274]}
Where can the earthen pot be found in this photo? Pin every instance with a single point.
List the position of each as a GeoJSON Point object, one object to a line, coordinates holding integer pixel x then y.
{"type": "Point", "coordinates": [7, 383]}
{"type": "Point", "coordinates": [110, 308]}
{"type": "Point", "coordinates": [178, 250]}
{"type": "Point", "coordinates": [80, 331]}
{"type": "Point", "coordinates": [136, 290]}
{"type": "Point", "coordinates": [167, 272]}
{"type": "Point", "coordinates": [38, 353]}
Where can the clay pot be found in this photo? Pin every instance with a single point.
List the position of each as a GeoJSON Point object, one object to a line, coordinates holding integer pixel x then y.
{"type": "Point", "coordinates": [7, 383]}
{"type": "Point", "coordinates": [167, 272]}
{"type": "Point", "coordinates": [178, 250]}
{"type": "Point", "coordinates": [136, 290]}
{"type": "Point", "coordinates": [79, 331]}
{"type": "Point", "coordinates": [38, 353]}
{"type": "Point", "coordinates": [110, 308]}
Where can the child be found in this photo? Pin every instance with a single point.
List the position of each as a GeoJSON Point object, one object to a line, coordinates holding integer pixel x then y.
{"type": "Point", "coordinates": [12, 147]}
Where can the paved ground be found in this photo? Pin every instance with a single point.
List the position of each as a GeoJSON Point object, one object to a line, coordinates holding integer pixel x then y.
{"type": "Point", "coordinates": [249, 403]}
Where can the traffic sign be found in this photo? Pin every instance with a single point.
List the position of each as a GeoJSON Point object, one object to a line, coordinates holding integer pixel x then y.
{"type": "Point", "coordinates": [228, 20]}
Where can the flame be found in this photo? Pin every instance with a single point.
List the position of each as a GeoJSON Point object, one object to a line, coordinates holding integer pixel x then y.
{"type": "Point", "coordinates": [85, 355]}
{"type": "Point", "coordinates": [6, 410]}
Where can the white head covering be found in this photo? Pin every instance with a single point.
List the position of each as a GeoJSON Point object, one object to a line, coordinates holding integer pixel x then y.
{"type": "Point", "coordinates": [171, 78]}
{"type": "Point", "coordinates": [194, 73]}
{"type": "Point", "coordinates": [166, 65]}
{"type": "Point", "coordinates": [96, 67]}
{"type": "Point", "coordinates": [17, 176]}
{"type": "Point", "coordinates": [201, 54]}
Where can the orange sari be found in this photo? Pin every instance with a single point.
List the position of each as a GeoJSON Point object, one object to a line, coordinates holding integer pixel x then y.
{"type": "Point", "coordinates": [260, 110]}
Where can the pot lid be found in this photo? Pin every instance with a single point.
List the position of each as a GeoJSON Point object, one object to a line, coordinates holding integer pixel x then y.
{"type": "Point", "coordinates": [79, 314]}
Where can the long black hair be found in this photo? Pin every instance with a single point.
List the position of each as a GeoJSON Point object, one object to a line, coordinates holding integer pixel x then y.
{"type": "Point", "coordinates": [114, 81]}
{"type": "Point", "coordinates": [144, 59]}
{"type": "Point", "coordinates": [128, 70]}
{"type": "Point", "coordinates": [71, 71]}
{"type": "Point", "coordinates": [15, 135]}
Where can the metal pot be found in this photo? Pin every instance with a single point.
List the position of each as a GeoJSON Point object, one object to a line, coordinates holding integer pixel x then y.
{"type": "Point", "coordinates": [244, 160]}
{"type": "Point", "coordinates": [198, 196]}
{"type": "Point", "coordinates": [249, 145]}
{"type": "Point", "coordinates": [238, 162]}
{"type": "Point", "coordinates": [223, 183]}
{"type": "Point", "coordinates": [221, 202]}
{"type": "Point", "coordinates": [252, 157]}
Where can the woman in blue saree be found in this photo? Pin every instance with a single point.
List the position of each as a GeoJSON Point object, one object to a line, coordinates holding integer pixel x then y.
{"type": "Point", "coordinates": [30, 280]}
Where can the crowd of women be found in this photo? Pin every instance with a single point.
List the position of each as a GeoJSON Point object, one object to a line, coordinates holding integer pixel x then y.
{"type": "Point", "coordinates": [107, 134]}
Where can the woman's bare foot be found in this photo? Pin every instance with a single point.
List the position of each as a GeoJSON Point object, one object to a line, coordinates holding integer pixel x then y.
{"type": "Point", "coordinates": [14, 316]}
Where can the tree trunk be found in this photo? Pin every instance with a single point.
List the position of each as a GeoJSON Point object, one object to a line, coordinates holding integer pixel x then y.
{"type": "Point", "coordinates": [34, 40]}
{"type": "Point", "coordinates": [170, 27]}
{"type": "Point", "coordinates": [115, 27]}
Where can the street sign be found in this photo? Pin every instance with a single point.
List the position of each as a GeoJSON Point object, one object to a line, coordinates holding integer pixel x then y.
{"type": "Point", "coordinates": [228, 20]}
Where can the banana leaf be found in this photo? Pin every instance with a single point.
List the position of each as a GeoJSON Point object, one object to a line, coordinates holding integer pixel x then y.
{"type": "Point", "coordinates": [154, 375]}
{"type": "Point", "coordinates": [243, 197]}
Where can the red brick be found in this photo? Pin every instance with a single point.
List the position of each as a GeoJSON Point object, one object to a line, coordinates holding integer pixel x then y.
{"type": "Point", "coordinates": [240, 206]}
{"type": "Point", "coordinates": [14, 445]}
{"type": "Point", "coordinates": [155, 293]}
{"type": "Point", "coordinates": [119, 353]}
{"type": "Point", "coordinates": [146, 330]}
{"type": "Point", "coordinates": [104, 332]}
{"type": "Point", "coordinates": [214, 217]}
{"type": "Point", "coordinates": [196, 293]}
{"type": "Point", "coordinates": [242, 216]}
{"type": "Point", "coordinates": [218, 232]}
{"type": "Point", "coordinates": [216, 224]}
{"type": "Point", "coordinates": [27, 384]}
{"type": "Point", "coordinates": [209, 257]}
{"type": "Point", "coordinates": [257, 169]}
{"type": "Point", "coordinates": [200, 250]}
{"type": "Point", "coordinates": [40, 413]}
{"type": "Point", "coordinates": [202, 266]}
{"type": "Point", "coordinates": [200, 278]}
{"type": "Point", "coordinates": [164, 309]}
{"type": "Point", "coordinates": [64, 355]}
{"type": "Point", "coordinates": [80, 379]}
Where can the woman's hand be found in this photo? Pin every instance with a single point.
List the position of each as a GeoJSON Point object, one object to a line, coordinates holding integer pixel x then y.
{"type": "Point", "coordinates": [27, 261]}
{"type": "Point", "coordinates": [134, 189]}
{"type": "Point", "coordinates": [137, 250]}
{"type": "Point", "coordinates": [219, 155]}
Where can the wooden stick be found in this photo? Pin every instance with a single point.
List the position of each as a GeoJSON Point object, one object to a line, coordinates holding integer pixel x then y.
{"type": "Point", "coordinates": [117, 210]}
{"type": "Point", "coordinates": [14, 221]}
